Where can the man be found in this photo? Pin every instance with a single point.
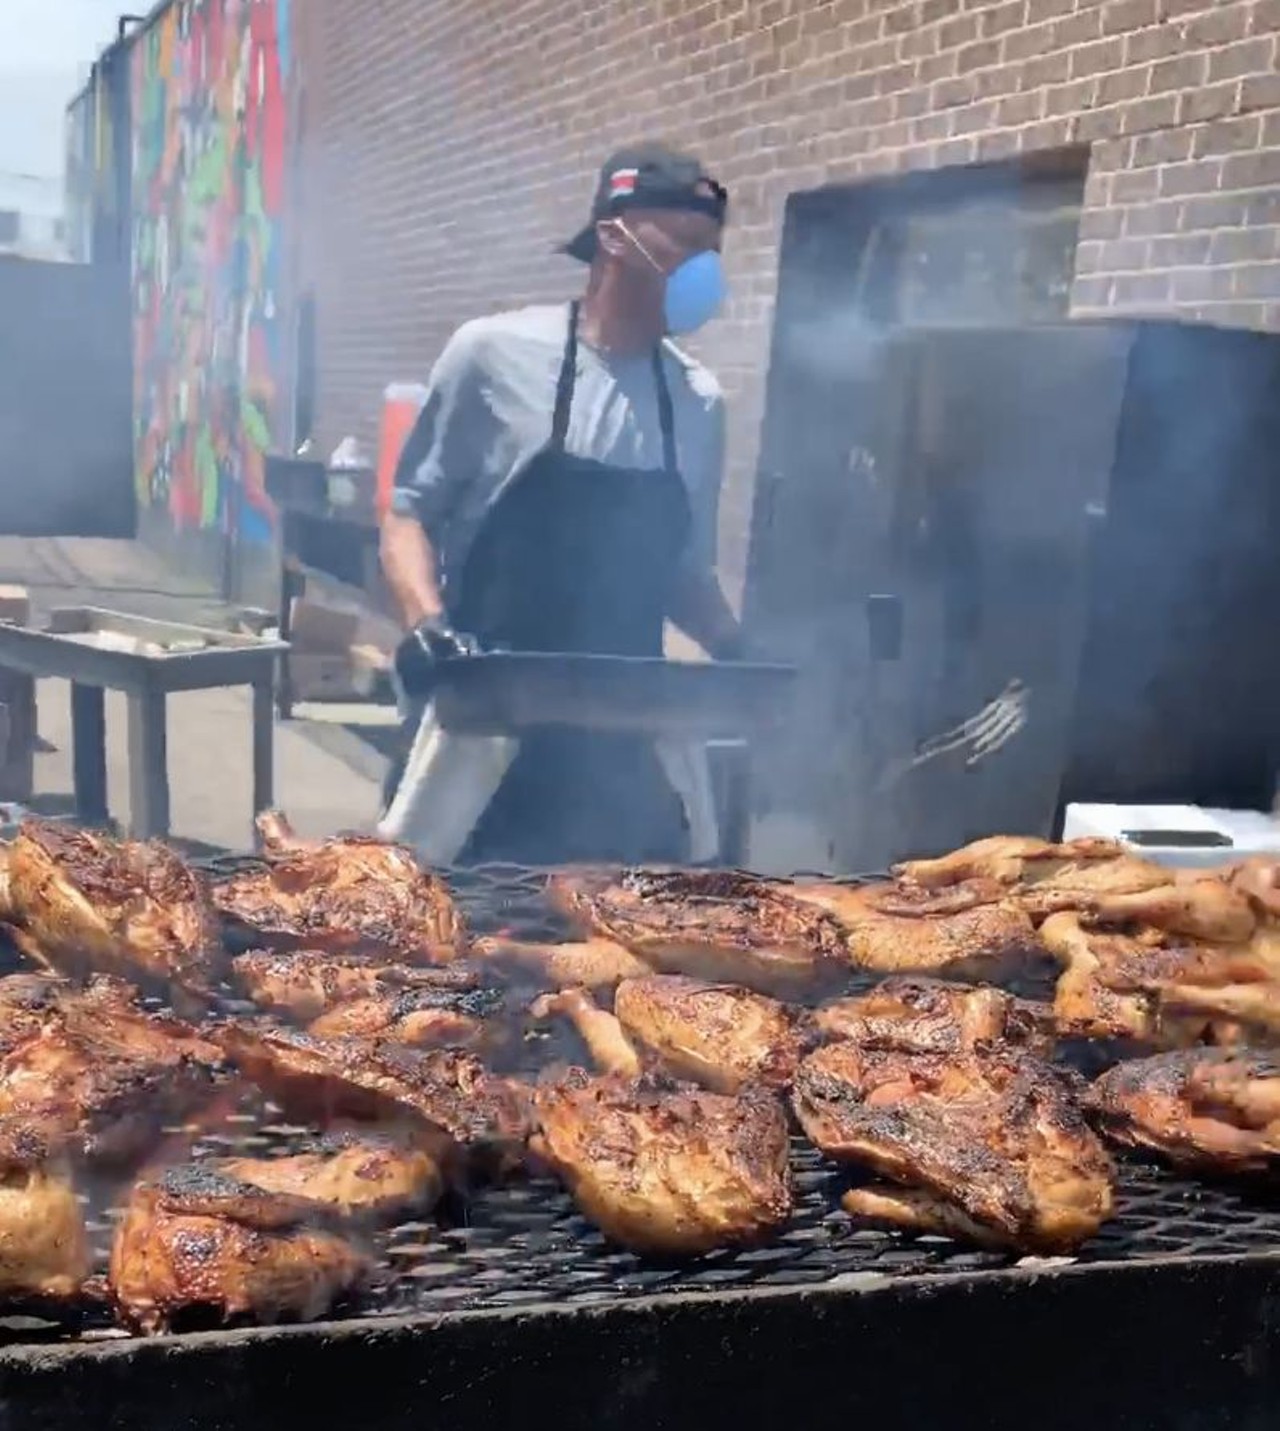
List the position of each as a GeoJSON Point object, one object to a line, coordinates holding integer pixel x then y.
{"type": "Point", "coordinates": [559, 493]}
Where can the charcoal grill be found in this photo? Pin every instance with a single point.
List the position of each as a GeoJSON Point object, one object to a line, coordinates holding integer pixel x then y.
{"type": "Point", "coordinates": [514, 1307]}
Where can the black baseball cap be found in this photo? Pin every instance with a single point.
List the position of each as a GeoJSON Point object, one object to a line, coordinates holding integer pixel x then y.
{"type": "Point", "coordinates": [649, 176]}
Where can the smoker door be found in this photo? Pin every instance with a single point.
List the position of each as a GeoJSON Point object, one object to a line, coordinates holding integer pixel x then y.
{"type": "Point", "coordinates": [956, 469]}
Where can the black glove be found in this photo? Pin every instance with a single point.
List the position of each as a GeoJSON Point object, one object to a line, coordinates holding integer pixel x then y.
{"type": "Point", "coordinates": [419, 654]}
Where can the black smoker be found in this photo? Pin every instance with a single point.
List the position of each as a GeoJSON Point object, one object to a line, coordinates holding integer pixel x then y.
{"type": "Point", "coordinates": [1091, 508]}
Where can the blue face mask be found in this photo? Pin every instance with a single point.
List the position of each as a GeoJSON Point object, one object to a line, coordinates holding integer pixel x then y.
{"type": "Point", "coordinates": [695, 289]}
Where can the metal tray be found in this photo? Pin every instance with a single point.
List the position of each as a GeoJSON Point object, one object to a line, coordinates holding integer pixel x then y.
{"type": "Point", "coordinates": [503, 692]}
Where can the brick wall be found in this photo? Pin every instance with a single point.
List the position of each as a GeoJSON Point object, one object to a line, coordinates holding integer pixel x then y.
{"type": "Point", "coordinates": [449, 146]}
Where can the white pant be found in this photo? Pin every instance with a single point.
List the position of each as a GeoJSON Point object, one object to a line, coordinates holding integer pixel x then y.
{"type": "Point", "coordinates": [449, 779]}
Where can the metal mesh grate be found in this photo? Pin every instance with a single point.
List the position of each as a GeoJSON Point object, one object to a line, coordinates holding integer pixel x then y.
{"type": "Point", "coordinates": [524, 1243]}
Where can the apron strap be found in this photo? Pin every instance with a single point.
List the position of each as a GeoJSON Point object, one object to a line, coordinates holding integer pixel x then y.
{"type": "Point", "coordinates": [566, 382]}
{"type": "Point", "coordinates": [666, 414]}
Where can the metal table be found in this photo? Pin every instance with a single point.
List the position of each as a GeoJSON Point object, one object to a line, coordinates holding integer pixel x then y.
{"type": "Point", "coordinates": [83, 645]}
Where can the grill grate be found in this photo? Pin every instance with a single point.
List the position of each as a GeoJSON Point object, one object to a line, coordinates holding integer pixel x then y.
{"type": "Point", "coordinates": [524, 1243]}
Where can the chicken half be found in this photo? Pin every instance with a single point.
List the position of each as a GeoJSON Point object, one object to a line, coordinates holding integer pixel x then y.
{"type": "Point", "coordinates": [99, 1075]}
{"type": "Point", "coordinates": [929, 1016]}
{"type": "Point", "coordinates": [1205, 1110]}
{"type": "Point", "coordinates": [422, 1018]}
{"type": "Point", "coordinates": [454, 1104]}
{"type": "Point", "coordinates": [589, 963]}
{"type": "Point", "coordinates": [84, 903]}
{"type": "Point", "coordinates": [353, 895]}
{"type": "Point", "coordinates": [1100, 878]}
{"type": "Point", "coordinates": [198, 1241]}
{"type": "Point", "coordinates": [1138, 986]}
{"type": "Point", "coordinates": [963, 930]}
{"type": "Point", "coordinates": [717, 925]}
{"type": "Point", "coordinates": [991, 1147]}
{"type": "Point", "coordinates": [668, 1173]}
{"type": "Point", "coordinates": [44, 1246]}
{"type": "Point", "coordinates": [304, 983]}
{"type": "Point", "coordinates": [357, 1174]}
{"type": "Point", "coordinates": [715, 1035]}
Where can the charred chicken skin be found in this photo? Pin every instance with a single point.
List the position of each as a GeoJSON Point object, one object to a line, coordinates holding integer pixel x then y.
{"type": "Point", "coordinates": [1136, 986]}
{"type": "Point", "coordinates": [673, 1173]}
{"type": "Point", "coordinates": [364, 1175]}
{"type": "Point", "coordinates": [352, 895]}
{"type": "Point", "coordinates": [44, 1248]}
{"type": "Point", "coordinates": [86, 904]}
{"type": "Point", "coordinates": [198, 1240]}
{"type": "Point", "coordinates": [715, 925]}
{"type": "Point", "coordinates": [1099, 878]}
{"type": "Point", "coordinates": [447, 1093]}
{"type": "Point", "coordinates": [715, 1035]}
{"type": "Point", "coordinates": [988, 1146]}
{"type": "Point", "coordinates": [1205, 1110]}
{"type": "Point", "coordinates": [305, 984]}
{"type": "Point", "coordinates": [897, 929]}
{"type": "Point", "coordinates": [589, 964]}
{"type": "Point", "coordinates": [929, 1016]}
{"type": "Point", "coordinates": [95, 1072]}
{"type": "Point", "coordinates": [421, 1018]}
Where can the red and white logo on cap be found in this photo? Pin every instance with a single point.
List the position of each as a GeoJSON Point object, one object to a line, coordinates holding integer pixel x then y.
{"type": "Point", "coordinates": [622, 182]}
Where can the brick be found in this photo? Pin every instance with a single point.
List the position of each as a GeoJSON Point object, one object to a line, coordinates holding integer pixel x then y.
{"type": "Point", "coordinates": [1020, 108]}
{"type": "Point", "coordinates": [1256, 280]}
{"type": "Point", "coordinates": [1070, 98]}
{"type": "Point", "coordinates": [1121, 85]}
{"type": "Point", "coordinates": [1225, 21]}
{"type": "Point", "coordinates": [1243, 245]}
{"type": "Point", "coordinates": [1002, 144]}
{"type": "Point", "coordinates": [1121, 16]}
{"type": "Point", "coordinates": [1091, 292]}
{"type": "Point", "coordinates": [1010, 15]}
{"type": "Point", "coordinates": [1122, 255]}
{"type": "Point", "coordinates": [1228, 136]}
{"type": "Point", "coordinates": [1144, 115]}
{"type": "Point", "coordinates": [1098, 57]}
{"type": "Point", "coordinates": [1211, 211]}
{"type": "Point", "coordinates": [1260, 92]}
{"type": "Point", "coordinates": [1101, 223]}
{"type": "Point", "coordinates": [1164, 146]}
{"type": "Point", "coordinates": [1181, 72]}
{"type": "Point", "coordinates": [1210, 102]}
{"type": "Point", "coordinates": [1147, 220]}
{"type": "Point", "coordinates": [1250, 57]}
{"type": "Point", "coordinates": [1139, 289]}
{"type": "Point", "coordinates": [1177, 250]}
{"type": "Point", "coordinates": [1265, 17]}
{"type": "Point", "coordinates": [1136, 185]}
{"type": "Point", "coordinates": [1157, 43]}
{"type": "Point", "coordinates": [1251, 171]}
{"type": "Point", "coordinates": [1199, 176]}
{"type": "Point", "coordinates": [1199, 284]}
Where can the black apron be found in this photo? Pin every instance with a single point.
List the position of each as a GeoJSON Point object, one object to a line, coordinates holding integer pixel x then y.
{"type": "Point", "coordinates": [577, 556]}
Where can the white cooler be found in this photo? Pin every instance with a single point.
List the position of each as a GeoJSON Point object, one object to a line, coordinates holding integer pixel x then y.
{"type": "Point", "coordinates": [1184, 835]}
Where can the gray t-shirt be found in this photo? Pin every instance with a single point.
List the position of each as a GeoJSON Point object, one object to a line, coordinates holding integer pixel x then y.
{"type": "Point", "coordinates": [491, 398]}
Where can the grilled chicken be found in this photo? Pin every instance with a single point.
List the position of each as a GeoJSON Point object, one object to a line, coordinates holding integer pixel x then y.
{"type": "Point", "coordinates": [1206, 1110]}
{"type": "Point", "coordinates": [85, 903]}
{"type": "Point", "coordinates": [356, 1174]}
{"type": "Point", "coordinates": [715, 1035]}
{"type": "Point", "coordinates": [354, 895]}
{"type": "Point", "coordinates": [44, 1249]}
{"type": "Point", "coordinates": [1258, 879]}
{"type": "Point", "coordinates": [442, 1092]}
{"type": "Point", "coordinates": [1095, 877]}
{"type": "Point", "coordinates": [989, 1145]}
{"type": "Point", "coordinates": [1137, 986]}
{"type": "Point", "coordinates": [588, 964]}
{"type": "Point", "coordinates": [96, 1073]}
{"type": "Point", "coordinates": [305, 983]}
{"type": "Point", "coordinates": [196, 1240]}
{"type": "Point", "coordinates": [715, 925]}
{"type": "Point", "coordinates": [897, 929]}
{"type": "Point", "coordinates": [1017, 861]}
{"type": "Point", "coordinates": [1193, 905]}
{"type": "Point", "coordinates": [610, 1049]}
{"type": "Point", "coordinates": [421, 1018]}
{"type": "Point", "coordinates": [929, 1016]}
{"type": "Point", "coordinates": [668, 1173]}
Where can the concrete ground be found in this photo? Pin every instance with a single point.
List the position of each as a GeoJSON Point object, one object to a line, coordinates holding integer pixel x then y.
{"type": "Point", "coordinates": [329, 765]}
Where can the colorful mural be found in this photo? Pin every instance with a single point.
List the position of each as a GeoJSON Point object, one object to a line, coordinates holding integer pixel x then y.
{"type": "Point", "coordinates": [209, 118]}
